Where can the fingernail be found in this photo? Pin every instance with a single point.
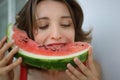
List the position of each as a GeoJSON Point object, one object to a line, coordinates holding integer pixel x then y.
{"type": "Point", "coordinates": [12, 41]}
{"type": "Point", "coordinates": [16, 46]}
{"type": "Point", "coordinates": [66, 70]}
{"type": "Point", "coordinates": [68, 64]}
{"type": "Point", "coordinates": [20, 58]}
{"type": "Point", "coordinates": [76, 59]}
{"type": "Point", "coordinates": [5, 37]}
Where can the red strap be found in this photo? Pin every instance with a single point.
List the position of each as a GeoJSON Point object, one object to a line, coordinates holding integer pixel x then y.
{"type": "Point", "coordinates": [23, 72]}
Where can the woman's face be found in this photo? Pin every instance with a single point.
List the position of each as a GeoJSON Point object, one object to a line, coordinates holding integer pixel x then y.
{"type": "Point", "coordinates": [54, 23]}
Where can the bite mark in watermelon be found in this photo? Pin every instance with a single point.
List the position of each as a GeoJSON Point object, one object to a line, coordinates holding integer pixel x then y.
{"type": "Point", "coordinates": [54, 56]}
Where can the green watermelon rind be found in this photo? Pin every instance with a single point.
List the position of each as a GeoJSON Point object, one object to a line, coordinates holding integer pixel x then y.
{"type": "Point", "coordinates": [8, 32]}
{"type": "Point", "coordinates": [46, 63]}
{"type": "Point", "coordinates": [53, 64]}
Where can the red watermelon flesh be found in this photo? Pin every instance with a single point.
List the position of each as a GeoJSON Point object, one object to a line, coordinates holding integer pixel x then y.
{"type": "Point", "coordinates": [53, 56]}
{"type": "Point", "coordinates": [60, 49]}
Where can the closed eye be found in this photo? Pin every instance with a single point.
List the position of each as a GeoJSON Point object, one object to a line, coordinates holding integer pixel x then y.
{"type": "Point", "coordinates": [66, 25]}
{"type": "Point", "coordinates": [43, 27]}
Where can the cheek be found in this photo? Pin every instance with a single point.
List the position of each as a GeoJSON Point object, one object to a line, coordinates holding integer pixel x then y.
{"type": "Point", "coordinates": [39, 38]}
{"type": "Point", "coordinates": [70, 35]}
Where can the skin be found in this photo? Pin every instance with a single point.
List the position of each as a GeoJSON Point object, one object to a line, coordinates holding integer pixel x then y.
{"type": "Point", "coordinates": [6, 65]}
{"type": "Point", "coordinates": [57, 28]}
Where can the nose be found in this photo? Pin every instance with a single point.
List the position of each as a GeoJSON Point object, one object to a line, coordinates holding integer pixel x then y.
{"type": "Point", "coordinates": [56, 38]}
{"type": "Point", "coordinates": [56, 34]}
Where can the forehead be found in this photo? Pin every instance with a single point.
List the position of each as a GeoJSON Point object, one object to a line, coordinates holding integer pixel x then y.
{"type": "Point", "coordinates": [51, 8]}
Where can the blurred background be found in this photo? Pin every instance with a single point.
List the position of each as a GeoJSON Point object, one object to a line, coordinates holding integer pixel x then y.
{"type": "Point", "coordinates": [101, 15]}
{"type": "Point", "coordinates": [104, 17]}
{"type": "Point", "coordinates": [8, 11]}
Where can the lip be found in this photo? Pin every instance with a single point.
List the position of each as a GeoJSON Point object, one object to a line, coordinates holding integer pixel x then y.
{"type": "Point", "coordinates": [55, 44]}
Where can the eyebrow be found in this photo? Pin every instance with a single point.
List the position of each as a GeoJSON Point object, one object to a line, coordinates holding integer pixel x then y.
{"type": "Point", "coordinates": [46, 18]}
{"type": "Point", "coordinates": [66, 17]}
{"type": "Point", "coordinates": [42, 18]}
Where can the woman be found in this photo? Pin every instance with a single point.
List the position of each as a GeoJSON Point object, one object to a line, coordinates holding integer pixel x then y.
{"type": "Point", "coordinates": [48, 22]}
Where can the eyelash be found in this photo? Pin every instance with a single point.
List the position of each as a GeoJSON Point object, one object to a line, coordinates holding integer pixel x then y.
{"type": "Point", "coordinates": [46, 26]}
{"type": "Point", "coordinates": [65, 25]}
{"type": "Point", "coordinates": [43, 27]}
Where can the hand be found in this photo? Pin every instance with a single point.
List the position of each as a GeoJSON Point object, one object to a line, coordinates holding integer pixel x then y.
{"type": "Point", "coordinates": [90, 71]}
{"type": "Point", "coordinates": [6, 65]}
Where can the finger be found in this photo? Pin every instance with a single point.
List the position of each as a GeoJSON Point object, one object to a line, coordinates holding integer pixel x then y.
{"type": "Point", "coordinates": [71, 75]}
{"type": "Point", "coordinates": [82, 67]}
{"type": "Point", "coordinates": [11, 74]}
{"type": "Point", "coordinates": [10, 61]}
{"type": "Point", "coordinates": [4, 49]}
{"type": "Point", "coordinates": [3, 41]}
{"type": "Point", "coordinates": [12, 66]}
{"type": "Point", "coordinates": [6, 46]}
{"type": "Point", "coordinates": [90, 59]}
{"type": "Point", "coordinates": [10, 55]}
{"type": "Point", "coordinates": [75, 72]}
{"type": "Point", "coordinates": [91, 63]}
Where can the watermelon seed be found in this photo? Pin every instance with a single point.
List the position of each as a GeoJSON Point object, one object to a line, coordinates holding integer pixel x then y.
{"type": "Point", "coordinates": [53, 49]}
{"type": "Point", "coordinates": [45, 47]}
{"type": "Point", "coordinates": [82, 44]}
{"type": "Point", "coordinates": [25, 40]}
{"type": "Point", "coordinates": [40, 46]}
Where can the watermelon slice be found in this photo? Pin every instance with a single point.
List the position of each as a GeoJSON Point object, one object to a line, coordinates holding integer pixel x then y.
{"type": "Point", "coordinates": [54, 56]}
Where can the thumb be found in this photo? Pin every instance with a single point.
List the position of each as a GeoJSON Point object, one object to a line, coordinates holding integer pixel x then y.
{"type": "Point", "coordinates": [90, 58]}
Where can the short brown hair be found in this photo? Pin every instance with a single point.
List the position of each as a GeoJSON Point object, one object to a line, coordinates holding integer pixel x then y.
{"type": "Point", "coordinates": [25, 19]}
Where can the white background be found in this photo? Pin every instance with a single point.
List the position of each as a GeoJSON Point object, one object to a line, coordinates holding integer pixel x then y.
{"type": "Point", "coordinates": [104, 17]}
